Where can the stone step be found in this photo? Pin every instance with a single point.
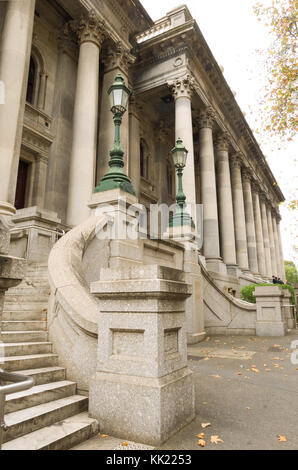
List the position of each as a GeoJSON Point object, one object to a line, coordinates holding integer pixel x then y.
{"type": "Point", "coordinates": [24, 326]}
{"type": "Point", "coordinates": [33, 315]}
{"type": "Point", "coordinates": [28, 298]}
{"type": "Point", "coordinates": [21, 306]}
{"type": "Point", "coordinates": [17, 363]}
{"type": "Point", "coordinates": [62, 435]}
{"type": "Point", "coordinates": [24, 336]}
{"type": "Point", "coordinates": [28, 290]}
{"type": "Point", "coordinates": [39, 394]}
{"type": "Point", "coordinates": [26, 421]}
{"type": "Point", "coordinates": [45, 375]}
{"type": "Point", "coordinates": [16, 349]}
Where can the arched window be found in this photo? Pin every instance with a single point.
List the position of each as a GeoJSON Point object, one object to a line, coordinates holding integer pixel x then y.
{"type": "Point", "coordinates": [31, 82]}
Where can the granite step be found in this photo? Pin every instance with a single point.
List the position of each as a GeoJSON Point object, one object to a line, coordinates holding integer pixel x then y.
{"type": "Point", "coordinates": [30, 315]}
{"type": "Point", "coordinates": [24, 349]}
{"type": "Point", "coordinates": [62, 435]}
{"type": "Point", "coordinates": [26, 325]}
{"type": "Point", "coordinates": [24, 336]}
{"type": "Point", "coordinates": [16, 363]}
{"type": "Point", "coordinates": [26, 305]}
{"type": "Point", "coordinates": [45, 375]}
{"type": "Point", "coordinates": [39, 394]}
{"type": "Point", "coordinates": [22, 422]}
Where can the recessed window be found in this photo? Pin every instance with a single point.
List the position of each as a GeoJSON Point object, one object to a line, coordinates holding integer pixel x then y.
{"type": "Point", "coordinates": [31, 82]}
{"type": "Point", "coordinates": [22, 184]}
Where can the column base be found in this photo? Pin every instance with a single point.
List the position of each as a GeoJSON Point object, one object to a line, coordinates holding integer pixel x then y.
{"type": "Point", "coordinates": [7, 209]}
{"type": "Point", "coordinates": [143, 409]}
{"type": "Point", "coordinates": [216, 265]}
{"type": "Point", "coordinates": [194, 338]}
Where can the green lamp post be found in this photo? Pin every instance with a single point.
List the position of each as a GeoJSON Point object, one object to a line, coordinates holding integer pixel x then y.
{"type": "Point", "coordinates": [116, 178]}
{"type": "Point", "coordinates": [181, 217]}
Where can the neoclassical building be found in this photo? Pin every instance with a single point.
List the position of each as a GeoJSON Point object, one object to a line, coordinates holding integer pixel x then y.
{"type": "Point", "coordinates": [113, 316]}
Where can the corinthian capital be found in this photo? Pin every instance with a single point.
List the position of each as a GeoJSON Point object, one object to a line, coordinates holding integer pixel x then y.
{"type": "Point", "coordinates": [236, 160]}
{"type": "Point", "coordinates": [222, 142]}
{"type": "Point", "coordinates": [116, 56]}
{"type": "Point", "coordinates": [207, 118]}
{"type": "Point", "coordinates": [182, 87]}
{"type": "Point", "coordinates": [247, 175]}
{"type": "Point", "coordinates": [90, 29]}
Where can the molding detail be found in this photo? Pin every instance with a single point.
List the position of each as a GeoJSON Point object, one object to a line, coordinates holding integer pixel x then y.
{"type": "Point", "coordinates": [182, 87]}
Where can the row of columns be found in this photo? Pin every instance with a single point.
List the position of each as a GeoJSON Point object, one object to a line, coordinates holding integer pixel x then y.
{"type": "Point", "coordinates": [240, 226]}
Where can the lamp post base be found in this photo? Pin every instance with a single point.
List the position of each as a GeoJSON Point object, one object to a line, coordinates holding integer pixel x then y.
{"type": "Point", "coordinates": [115, 180]}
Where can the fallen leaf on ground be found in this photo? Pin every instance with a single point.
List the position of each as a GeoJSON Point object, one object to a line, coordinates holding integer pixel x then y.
{"type": "Point", "coordinates": [207, 339]}
{"type": "Point", "coordinates": [239, 373]}
{"type": "Point", "coordinates": [124, 444]}
{"type": "Point", "coordinates": [255, 370]}
{"type": "Point", "coordinates": [201, 435]}
{"type": "Point", "coordinates": [282, 438]}
{"type": "Point", "coordinates": [205, 425]}
{"type": "Point", "coordinates": [248, 408]}
{"type": "Point", "coordinates": [216, 376]}
{"type": "Point", "coordinates": [201, 443]}
{"type": "Point", "coordinates": [104, 436]}
{"type": "Point", "coordinates": [215, 440]}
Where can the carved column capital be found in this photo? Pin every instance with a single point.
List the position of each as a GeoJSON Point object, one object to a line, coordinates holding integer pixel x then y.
{"type": "Point", "coordinates": [207, 118]}
{"type": "Point", "coordinates": [90, 29]}
{"type": "Point", "coordinates": [222, 142]}
{"type": "Point", "coordinates": [247, 175]}
{"type": "Point", "coordinates": [182, 87]}
{"type": "Point", "coordinates": [66, 41]}
{"type": "Point", "coordinates": [116, 56]}
{"type": "Point", "coordinates": [256, 187]}
{"type": "Point", "coordinates": [236, 160]}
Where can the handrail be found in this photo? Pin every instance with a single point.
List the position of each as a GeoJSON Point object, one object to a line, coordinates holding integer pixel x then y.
{"type": "Point", "coordinates": [20, 383]}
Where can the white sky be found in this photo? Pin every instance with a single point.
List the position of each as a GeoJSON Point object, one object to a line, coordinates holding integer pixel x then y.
{"type": "Point", "coordinates": [233, 34]}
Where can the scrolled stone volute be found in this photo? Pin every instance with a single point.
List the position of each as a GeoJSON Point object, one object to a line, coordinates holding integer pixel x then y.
{"type": "Point", "coordinates": [182, 87]}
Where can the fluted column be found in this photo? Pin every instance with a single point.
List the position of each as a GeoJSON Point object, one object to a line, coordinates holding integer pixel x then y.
{"type": "Point", "coordinates": [276, 244]}
{"type": "Point", "coordinates": [208, 187]}
{"type": "Point", "coordinates": [266, 235]}
{"type": "Point", "coordinates": [239, 214]}
{"type": "Point", "coordinates": [259, 231]}
{"type": "Point", "coordinates": [281, 256]}
{"type": "Point", "coordinates": [271, 241]}
{"type": "Point", "coordinates": [83, 158]}
{"type": "Point", "coordinates": [182, 90]}
{"type": "Point", "coordinates": [250, 223]}
{"type": "Point", "coordinates": [15, 48]}
{"type": "Point", "coordinates": [226, 217]}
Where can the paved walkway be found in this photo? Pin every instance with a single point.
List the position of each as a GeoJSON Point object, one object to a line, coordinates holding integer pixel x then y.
{"type": "Point", "coordinates": [246, 388]}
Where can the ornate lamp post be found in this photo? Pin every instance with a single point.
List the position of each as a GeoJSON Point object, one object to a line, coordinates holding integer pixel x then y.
{"type": "Point", "coordinates": [179, 155]}
{"type": "Point", "coordinates": [115, 177]}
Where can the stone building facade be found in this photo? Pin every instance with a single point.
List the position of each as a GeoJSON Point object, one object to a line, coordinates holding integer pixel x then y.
{"type": "Point", "coordinates": [57, 61]}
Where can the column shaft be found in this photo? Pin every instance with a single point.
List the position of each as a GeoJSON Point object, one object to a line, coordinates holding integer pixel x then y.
{"type": "Point", "coordinates": [83, 158]}
{"type": "Point", "coordinates": [239, 215]}
{"type": "Point", "coordinates": [15, 51]}
{"type": "Point", "coordinates": [266, 237]}
{"type": "Point", "coordinates": [226, 217]}
{"type": "Point", "coordinates": [208, 189]}
{"type": "Point", "coordinates": [134, 147]}
{"type": "Point", "coordinates": [259, 233]}
{"type": "Point", "coordinates": [281, 256]}
{"type": "Point", "coordinates": [271, 239]}
{"type": "Point", "coordinates": [276, 246]}
{"type": "Point", "coordinates": [250, 224]}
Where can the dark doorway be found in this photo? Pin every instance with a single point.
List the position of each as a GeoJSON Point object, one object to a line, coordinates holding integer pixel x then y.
{"type": "Point", "coordinates": [23, 172]}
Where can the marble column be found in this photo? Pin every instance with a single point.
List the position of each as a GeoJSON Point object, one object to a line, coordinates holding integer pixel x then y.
{"type": "Point", "coordinates": [259, 230]}
{"type": "Point", "coordinates": [83, 157]}
{"type": "Point", "coordinates": [134, 145]}
{"type": "Point", "coordinates": [15, 48]}
{"type": "Point", "coordinates": [271, 240]}
{"type": "Point", "coordinates": [281, 256]}
{"type": "Point", "coordinates": [276, 245]}
{"type": "Point", "coordinates": [208, 192]}
{"type": "Point", "coordinates": [239, 213]}
{"type": "Point", "coordinates": [116, 60]}
{"type": "Point", "coordinates": [225, 204]}
{"type": "Point", "coordinates": [182, 90]}
{"type": "Point", "coordinates": [250, 222]}
{"type": "Point", "coordinates": [266, 236]}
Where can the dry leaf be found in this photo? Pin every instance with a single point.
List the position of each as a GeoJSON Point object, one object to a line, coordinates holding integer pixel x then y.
{"type": "Point", "coordinates": [205, 425]}
{"type": "Point", "coordinates": [104, 436]}
{"type": "Point", "coordinates": [216, 376]}
{"type": "Point", "coordinates": [282, 438]}
{"type": "Point", "coordinates": [124, 444]}
{"type": "Point", "coordinates": [215, 440]}
{"type": "Point", "coordinates": [255, 370]}
{"type": "Point", "coordinates": [201, 435]}
{"type": "Point", "coordinates": [201, 443]}
{"type": "Point", "coordinates": [239, 373]}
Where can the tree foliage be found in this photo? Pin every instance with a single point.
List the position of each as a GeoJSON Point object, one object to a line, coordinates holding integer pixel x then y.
{"type": "Point", "coordinates": [291, 272]}
{"type": "Point", "coordinates": [281, 92]}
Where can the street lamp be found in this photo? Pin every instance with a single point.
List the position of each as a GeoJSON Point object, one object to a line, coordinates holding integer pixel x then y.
{"type": "Point", "coordinates": [179, 155]}
{"type": "Point", "coordinates": [116, 178]}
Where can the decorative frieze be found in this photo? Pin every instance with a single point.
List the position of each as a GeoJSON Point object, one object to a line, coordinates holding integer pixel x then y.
{"type": "Point", "coordinates": [182, 87]}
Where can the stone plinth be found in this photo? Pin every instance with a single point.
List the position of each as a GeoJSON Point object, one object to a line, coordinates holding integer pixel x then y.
{"type": "Point", "coordinates": [271, 319]}
{"type": "Point", "coordinates": [143, 389]}
{"type": "Point", "coordinates": [289, 310]}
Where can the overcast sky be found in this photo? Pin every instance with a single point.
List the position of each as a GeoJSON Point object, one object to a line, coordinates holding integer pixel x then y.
{"type": "Point", "coordinates": [233, 34]}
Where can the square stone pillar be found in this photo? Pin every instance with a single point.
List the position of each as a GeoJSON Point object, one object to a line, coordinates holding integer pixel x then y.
{"type": "Point", "coordinates": [289, 310]}
{"type": "Point", "coordinates": [271, 319]}
{"type": "Point", "coordinates": [143, 389]}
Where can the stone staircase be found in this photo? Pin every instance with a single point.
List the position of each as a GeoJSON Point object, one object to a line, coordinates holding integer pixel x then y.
{"type": "Point", "coordinates": [49, 416]}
